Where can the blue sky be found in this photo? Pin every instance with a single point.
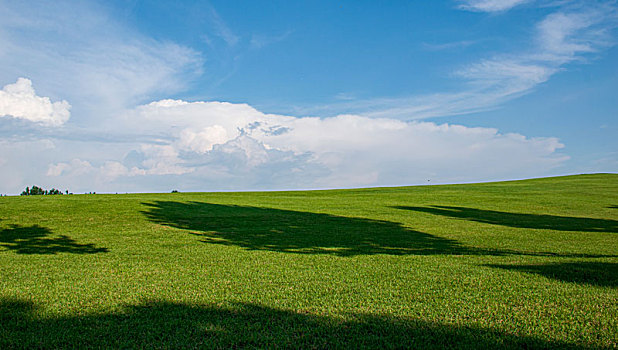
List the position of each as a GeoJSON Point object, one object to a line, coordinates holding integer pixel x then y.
{"type": "Point", "coordinates": [149, 96]}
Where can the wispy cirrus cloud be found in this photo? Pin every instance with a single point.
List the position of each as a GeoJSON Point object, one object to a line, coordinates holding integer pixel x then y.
{"type": "Point", "coordinates": [491, 5]}
{"type": "Point", "coordinates": [221, 28]}
{"type": "Point", "coordinates": [104, 70]}
{"type": "Point", "coordinates": [449, 45]}
{"type": "Point", "coordinates": [75, 51]}
{"type": "Point", "coordinates": [565, 36]}
{"type": "Point", "coordinates": [572, 33]}
{"type": "Point", "coordinates": [259, 41]}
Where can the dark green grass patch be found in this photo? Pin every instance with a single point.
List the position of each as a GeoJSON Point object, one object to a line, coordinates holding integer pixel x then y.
{"type": "Point", "coordinates": [525, 264]}
{"type": "Point", "coordinates": [604, 274]}
{"type": "Point", "coordinates": [175, 325]}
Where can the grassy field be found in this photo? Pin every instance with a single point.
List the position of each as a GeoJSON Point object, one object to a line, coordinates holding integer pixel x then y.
{"type": "Point", "coordinates": [524, 264]}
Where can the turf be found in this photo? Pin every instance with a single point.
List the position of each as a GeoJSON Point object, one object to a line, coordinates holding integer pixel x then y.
{"type": "Point", "coordinates": [523, 264]}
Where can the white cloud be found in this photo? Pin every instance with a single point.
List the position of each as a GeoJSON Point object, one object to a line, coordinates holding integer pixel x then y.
{"type": "Point", "coordinates": [449, 45]}
{"type": "Point", "coordinates": [491, 5]}
{"type": "Point", "coordinates": [203, 141]}
{"type": "Point", "coordinates": [111, 170]}
{"type": "Point", "coordinates": [156, 160]}
{"type": "Point", "coordinates": [224, 146]}
{"type": "Point", "coordinates": [565, 36]}
{"type": "Point", "coordinates": [19, 100]}
{"type": "Point", "coordinates": [162, 160]}
{"type": "Point", "coordinates": [347, 150]}
{"type": "Point", "coordinates": [561, 38]}
{"type": "Point", "coordinates": [77, 50]}
{"type": "Point", "coordinates": [108, 69]}
{"type": "Point", "coordinates": [260, 41]}
{"type": "Point", "coordinates": [506, 72]}
{"type": "Point", "coordinates": [222, 29]}
{"type": "Point", "coordinates": [75, 167]}
{"type": "Point", "coordinates": [17, 173]}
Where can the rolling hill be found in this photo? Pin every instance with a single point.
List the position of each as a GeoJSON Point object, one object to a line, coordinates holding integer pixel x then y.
{"type": "Point", "coordinates": [530, 263]}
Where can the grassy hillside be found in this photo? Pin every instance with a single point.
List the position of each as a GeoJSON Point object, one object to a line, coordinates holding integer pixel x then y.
{"type": "Point", "coordinates": [514, 264]}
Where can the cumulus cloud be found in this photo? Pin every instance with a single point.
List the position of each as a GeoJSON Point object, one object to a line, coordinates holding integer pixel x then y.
{"type": "Point", "coordinates": [19, 100]}
{"type": "Point", "coordinates": [75, 167]}
{"type": "Point", "coordinates": [223, 146]}
{"type": "Point", "coordinates": [155, 160]}
{"type": "Point", "coordinates": [162, 160]}
{"type": "Point", "coordinates": [249, 149]}
{"type": "Point", "coordinates": [203, 140]}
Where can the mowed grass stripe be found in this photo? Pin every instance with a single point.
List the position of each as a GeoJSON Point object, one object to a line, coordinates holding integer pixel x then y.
{"type": "Point", "coordinates": [529, 263]}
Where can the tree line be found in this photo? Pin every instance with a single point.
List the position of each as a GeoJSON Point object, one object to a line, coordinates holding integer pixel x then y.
{"type": "Point", "coordinates": [38, 191]}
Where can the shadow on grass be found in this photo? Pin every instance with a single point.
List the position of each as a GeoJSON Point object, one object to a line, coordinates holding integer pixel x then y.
{"type": "Point", "coordinates": [290, 231]}
{"type": "Point", "coordinates": [34, 240]}
{"type": "Point", "coordinates": [601, 274]}
{"type": "Point", "coordinates": [518, 220]}
{"type": "Point", "coordinates": [176, 325]}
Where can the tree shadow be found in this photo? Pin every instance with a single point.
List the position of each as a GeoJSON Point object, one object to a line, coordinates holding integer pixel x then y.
{"type": "Point", "coordinates": [34, 240]}
{"type": "Point", "coordinates": [518, 220]}
{"type": "Point", "coordinates": [160, 324]}
{"type": "Point", "coordinates": [613, 207]}
{"type": "Point", "coordinates": [602, 274]}
{"type": "Point", "coordinates": [288, 231]}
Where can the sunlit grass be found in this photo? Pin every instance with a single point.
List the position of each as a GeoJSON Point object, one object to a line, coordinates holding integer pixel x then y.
{"type": "Point", "coordinates": [514, 264]}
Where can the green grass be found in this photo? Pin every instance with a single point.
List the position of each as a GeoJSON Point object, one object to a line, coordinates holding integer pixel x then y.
{"type": "Point", "coordinates": [524, 264]}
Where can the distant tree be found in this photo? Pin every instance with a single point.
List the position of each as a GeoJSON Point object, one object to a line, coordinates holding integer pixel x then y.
{"type": "Point", "coordinates": [38, 191]}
